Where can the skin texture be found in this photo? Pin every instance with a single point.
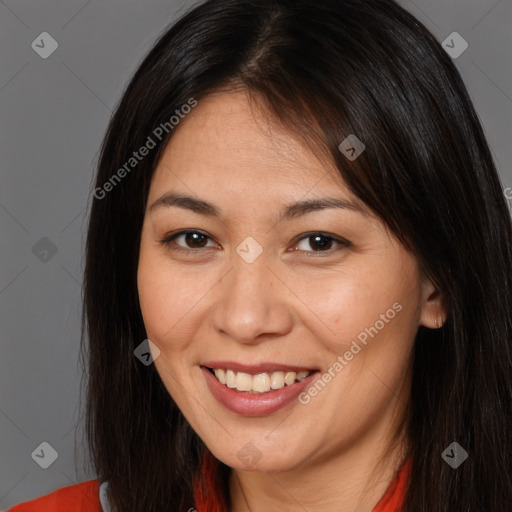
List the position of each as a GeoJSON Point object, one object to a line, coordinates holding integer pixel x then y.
{"type": "Point", "coordinates": [296, 304]}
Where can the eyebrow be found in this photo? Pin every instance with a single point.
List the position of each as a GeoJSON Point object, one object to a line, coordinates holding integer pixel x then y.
{"type": "Point", "coordinates": [290, 211]}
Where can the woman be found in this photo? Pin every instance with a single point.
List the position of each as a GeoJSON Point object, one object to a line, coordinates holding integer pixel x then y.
{"type": "Point", "coordinates": [298, 274]}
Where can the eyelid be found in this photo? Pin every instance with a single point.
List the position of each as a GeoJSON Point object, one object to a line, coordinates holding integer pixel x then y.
{"type": "Point", "coordinates": [337, 239]}
{"type": "Point", "coordinates": [168, 239]}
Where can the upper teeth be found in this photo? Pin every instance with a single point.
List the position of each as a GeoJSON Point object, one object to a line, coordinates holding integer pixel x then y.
{"type": "Point", "coordinates": [260, 383]}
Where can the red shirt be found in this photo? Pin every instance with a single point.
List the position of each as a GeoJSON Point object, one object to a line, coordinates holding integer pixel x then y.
{"type": "Point", "coordinates": [84, 497]}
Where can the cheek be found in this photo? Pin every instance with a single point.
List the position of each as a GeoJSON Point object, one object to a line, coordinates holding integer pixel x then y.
{"type": "Point", "coordinates": [347, 303]}
{"type": "Point", "coordinates": [368, 312]}
{"type": "Point", "coordinates": [168, 300]}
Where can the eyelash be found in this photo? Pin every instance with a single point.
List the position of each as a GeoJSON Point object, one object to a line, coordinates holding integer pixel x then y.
{"type": "Point", "coordinates": [167, 242]}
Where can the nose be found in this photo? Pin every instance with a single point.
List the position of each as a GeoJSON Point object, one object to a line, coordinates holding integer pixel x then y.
{"type": "Point", "coordinates": [252, 303]}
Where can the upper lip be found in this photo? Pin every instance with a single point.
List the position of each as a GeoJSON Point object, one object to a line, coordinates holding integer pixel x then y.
{"type": "Point", "coordinates": [254, 369]}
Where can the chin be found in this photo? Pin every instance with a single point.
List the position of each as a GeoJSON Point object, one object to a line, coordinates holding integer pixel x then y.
{"type": "Point", "coordinates": [252, 457]}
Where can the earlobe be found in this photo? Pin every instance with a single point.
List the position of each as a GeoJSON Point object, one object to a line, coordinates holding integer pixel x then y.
{"type": "Point", "coordinates": [433, 310]}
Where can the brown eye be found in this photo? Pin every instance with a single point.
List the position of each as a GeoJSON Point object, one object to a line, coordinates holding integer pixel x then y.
{"type": "Point", "coordinates": [320, 242]}
{"type": "Point", "coordinates": [193, 241]}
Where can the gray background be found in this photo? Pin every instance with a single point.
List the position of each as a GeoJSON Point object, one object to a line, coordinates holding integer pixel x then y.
{"type": "Point", "coordinates": [53, 114]}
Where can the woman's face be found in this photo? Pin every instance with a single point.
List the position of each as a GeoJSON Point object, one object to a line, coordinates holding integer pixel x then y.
{"type": "Point", "coordinates": [268, 291]}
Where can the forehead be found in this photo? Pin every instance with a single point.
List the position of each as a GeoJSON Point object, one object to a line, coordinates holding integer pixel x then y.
{"type": "Point", "coordinates": [229, 142]}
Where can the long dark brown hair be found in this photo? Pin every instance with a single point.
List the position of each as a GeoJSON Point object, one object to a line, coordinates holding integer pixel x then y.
{"type": "Point", "coordinates": [324, 70]}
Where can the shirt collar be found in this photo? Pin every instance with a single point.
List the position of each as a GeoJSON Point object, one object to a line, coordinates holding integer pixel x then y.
{"type": "Point", "coordinates": [391, 501]}
{"type": "Point", "coordinates": [105, 506]}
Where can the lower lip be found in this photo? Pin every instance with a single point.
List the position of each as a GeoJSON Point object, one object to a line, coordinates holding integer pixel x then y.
{"type": "Point", "coordinates": [251, 404]}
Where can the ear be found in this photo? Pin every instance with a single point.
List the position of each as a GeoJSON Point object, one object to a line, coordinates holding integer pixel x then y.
{"type": "Point", "coordinates": [433, 311]}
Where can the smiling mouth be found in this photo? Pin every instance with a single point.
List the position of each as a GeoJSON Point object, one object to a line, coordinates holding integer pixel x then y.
{"type": "Point", "coordinates": [260, 383]}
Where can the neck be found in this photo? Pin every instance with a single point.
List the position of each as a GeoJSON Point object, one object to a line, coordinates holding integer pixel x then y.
{"type": "Point", "coordinates": [353, 481]}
